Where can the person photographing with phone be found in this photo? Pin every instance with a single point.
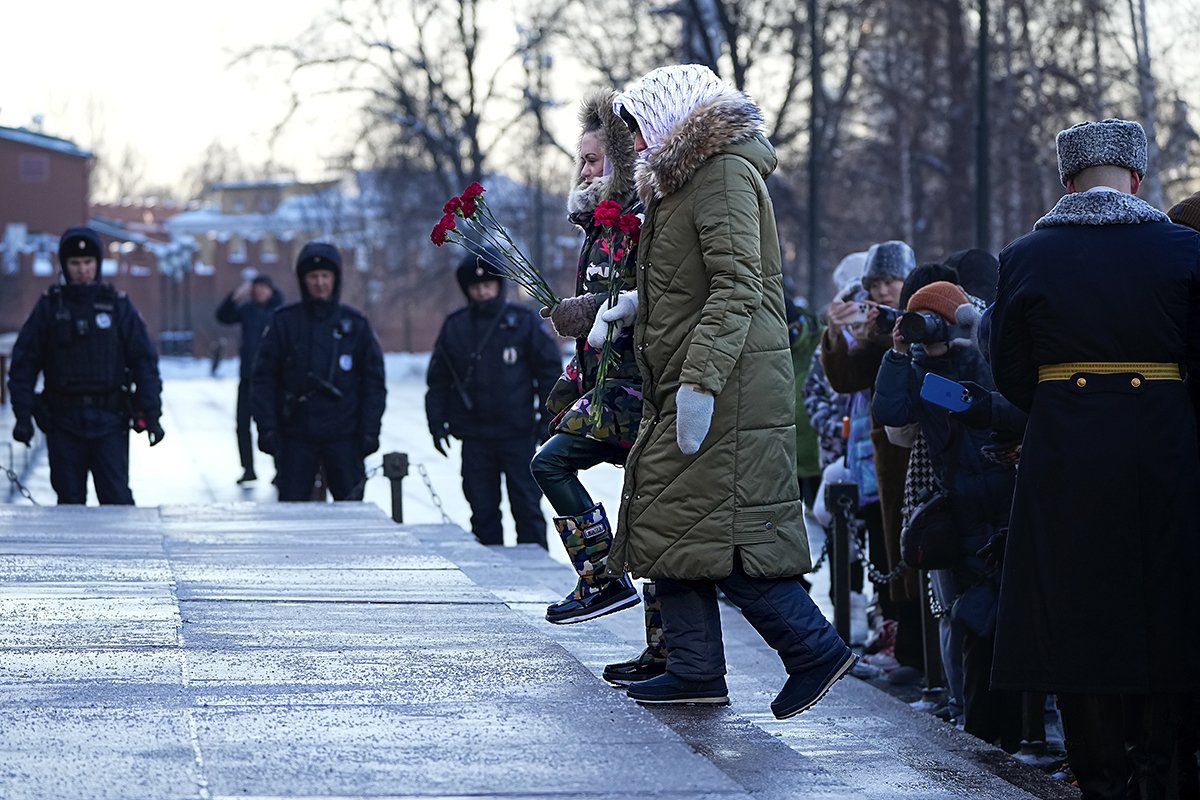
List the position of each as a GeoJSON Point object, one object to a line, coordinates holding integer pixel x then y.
{"type": "Point", "coordinates": [851, 350]}
{"type": "Point", "coordinates": [930, 353]}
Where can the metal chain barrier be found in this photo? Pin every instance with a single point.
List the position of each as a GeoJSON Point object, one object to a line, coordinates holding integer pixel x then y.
{"type": "Point", "coordinates": [24, 492]}
{"type": "Point", "coordinates": [424, 473]}
{"type": "Point", "coordinates": [437, 501]}
{"type": "Point", "coordinates": [816, 567]}
{"type": "Point", "coordinates": [873, 572]}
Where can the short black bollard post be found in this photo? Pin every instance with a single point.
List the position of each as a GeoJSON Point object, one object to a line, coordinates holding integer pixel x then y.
{"type": "Point", "coordinates": [842, 498]}
{"type": "Point", "coordinates": [395, 468]}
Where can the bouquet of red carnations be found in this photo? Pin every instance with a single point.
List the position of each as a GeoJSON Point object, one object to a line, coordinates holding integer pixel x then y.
{"type": "Point", "coordinates": [469, 223]}
{"type": "Point", "coordinates": [618, 242]}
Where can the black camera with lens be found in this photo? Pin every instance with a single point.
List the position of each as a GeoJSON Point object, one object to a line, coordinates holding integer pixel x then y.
{"type": "Point", "coordinates": [886, 319]}
{"type": "Point", "coordinates": [924, 327]}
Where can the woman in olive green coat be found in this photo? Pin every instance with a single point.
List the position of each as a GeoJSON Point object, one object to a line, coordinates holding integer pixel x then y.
{"type": "Point", "coordinates": [711, 497]}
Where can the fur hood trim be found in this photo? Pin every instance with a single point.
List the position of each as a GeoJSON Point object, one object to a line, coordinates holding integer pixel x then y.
{"type": "Point", "coordinates": [584, 198]}
{"type": "Point", "coordinates": [1100, 208]}
{"type": "Point", "coordinates": [597, 110]}
{"type": "Point", "coordinates": [707, 130]}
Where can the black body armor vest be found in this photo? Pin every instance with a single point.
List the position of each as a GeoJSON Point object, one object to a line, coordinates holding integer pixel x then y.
{"type": "Point", "coordinates": [84, 355]}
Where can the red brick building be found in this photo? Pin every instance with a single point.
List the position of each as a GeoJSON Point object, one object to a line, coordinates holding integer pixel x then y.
{"type": "Point", "coordinates": [43, 191]}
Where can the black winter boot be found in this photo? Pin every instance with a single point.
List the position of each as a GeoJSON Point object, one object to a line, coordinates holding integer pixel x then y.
{"type": "Point", "coordinates": [652, 661]}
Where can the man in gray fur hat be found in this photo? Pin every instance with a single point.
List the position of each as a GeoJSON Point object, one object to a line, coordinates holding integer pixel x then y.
{"type": "Point", "coordinates": [1097, 319]}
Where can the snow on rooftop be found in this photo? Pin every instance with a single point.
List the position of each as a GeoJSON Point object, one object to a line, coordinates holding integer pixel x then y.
{"type": "Point", "coordinates": [25, 136]}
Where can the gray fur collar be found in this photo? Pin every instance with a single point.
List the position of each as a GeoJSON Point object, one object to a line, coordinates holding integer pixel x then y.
{"type": "Point", "coordinates": [707, 130]}
{"type": "Point", "coordinates": [1100, 208]}
{"type": "Point", "coordinates": [586, 196]}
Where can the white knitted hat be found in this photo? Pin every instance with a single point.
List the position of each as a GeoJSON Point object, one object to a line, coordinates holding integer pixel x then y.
{"type": "Point", "coordinates": [663, 97]}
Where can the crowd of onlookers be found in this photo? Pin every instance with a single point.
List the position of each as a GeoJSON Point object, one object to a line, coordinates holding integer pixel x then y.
{"type": "Point", "coordinates": [868, 415]}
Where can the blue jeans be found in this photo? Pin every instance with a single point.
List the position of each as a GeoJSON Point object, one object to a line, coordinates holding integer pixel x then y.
{"type": "Point", "coordinates": [778, 608]}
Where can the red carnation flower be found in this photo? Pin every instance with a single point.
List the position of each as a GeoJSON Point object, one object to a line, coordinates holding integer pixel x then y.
{"type": "Point", "coordinates": [452, 205]}
{"type": "Point", "coordinates": [438, 236]}
{"type": "Point", "coordinates": [467, 207]}
{"type": "Point", "coordinates": [472, 191]}
{"type": "Point", "coordinates": [442, 229]}
{"type": "Point", "coordinates": [607, 213]}
{"type": "Point", "coordinates": [630, 225]}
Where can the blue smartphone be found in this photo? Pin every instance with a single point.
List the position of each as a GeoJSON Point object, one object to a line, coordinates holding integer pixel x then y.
{"type": "Point", "coordinates": [945, 393]}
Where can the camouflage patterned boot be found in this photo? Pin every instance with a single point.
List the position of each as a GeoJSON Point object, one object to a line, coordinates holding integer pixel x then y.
{"type": "Point", "coordinates": [653, 660]}
{"type": "Point", "coordinates": [587, 539]}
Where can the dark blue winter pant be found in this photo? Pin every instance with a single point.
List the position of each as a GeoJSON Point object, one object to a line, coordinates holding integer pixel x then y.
{"type": "Point", "coordinates": [483, 462]}
{"type": "Point", "coordinates": [72, 457]}
{"type": "Point", "coordinates": [297, 462]}
{"type": "Point", "coordinates": [245, 447]}
{"type": "Point", "coordinates": [778, 608]}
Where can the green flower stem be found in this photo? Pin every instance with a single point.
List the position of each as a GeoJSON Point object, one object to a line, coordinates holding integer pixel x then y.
{"type": "Point", "coordinates": [516, 266]}
{"type": "Point", "coordinates": [595, 403]}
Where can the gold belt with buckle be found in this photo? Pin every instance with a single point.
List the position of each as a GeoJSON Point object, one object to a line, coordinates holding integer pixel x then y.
{"type": "Point", "coordinates": [1147, 370]}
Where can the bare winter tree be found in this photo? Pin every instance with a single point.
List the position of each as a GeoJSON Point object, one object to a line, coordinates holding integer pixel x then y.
{"type": "Point", "coordinates": [436, 83]}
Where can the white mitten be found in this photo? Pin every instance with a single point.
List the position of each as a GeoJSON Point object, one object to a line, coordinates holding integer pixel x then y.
{"type": "Point", "coordinates": [621, 313]}
{"type": "Point", "coordinates": [693, 416]}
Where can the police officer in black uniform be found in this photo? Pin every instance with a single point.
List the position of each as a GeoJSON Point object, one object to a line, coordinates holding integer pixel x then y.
{"type": "Point", "coordinates": [492, 367]}
{"type": "Point", "coordinates": [100, 375]}
{"type": "Point", "coordinates": [319, 392]}
{"type": "Point", "coordinates": [251, 306]}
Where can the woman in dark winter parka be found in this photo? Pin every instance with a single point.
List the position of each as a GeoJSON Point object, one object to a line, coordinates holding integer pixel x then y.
{"type": "Point", "coordinates": [711, 497]}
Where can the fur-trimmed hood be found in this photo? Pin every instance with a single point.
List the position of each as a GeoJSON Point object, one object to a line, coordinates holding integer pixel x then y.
{"type": "Point", "coordinates": [597, 110]}
{"type": "Point", "coordinates": [1100, 208]}
{"type": "Point", "coordinates": [730, 122]}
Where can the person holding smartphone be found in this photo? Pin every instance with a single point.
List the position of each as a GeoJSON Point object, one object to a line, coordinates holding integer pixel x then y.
{"type": "Point", "coordinates": [926, 340]}
{"type": "Point", "coordinates": [851, 350]}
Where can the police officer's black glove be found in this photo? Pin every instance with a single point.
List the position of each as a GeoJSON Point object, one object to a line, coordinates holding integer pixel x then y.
{"type": "Point", "coordinates": [268, 442]}
{"type": "Point", "coordinates": [993, 552]}
{"type": "Point", "coordinates": [155, 432]}
{"type": "Point", "coordinates": [370, 443]}
{"type": "Point", "coordinates": [441, 437]}
{"type": "Point", "coordinates": [979, 413]}
{"type": "Point", "coordinates": [23, 431]}
{"type": "Point", "coordinates": [139, 423]}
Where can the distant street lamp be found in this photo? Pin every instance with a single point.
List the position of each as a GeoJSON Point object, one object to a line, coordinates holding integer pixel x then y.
{"type": "Point", "coordinates": [983, 189]}
{"type": "Point", "coordinates": [815, 125]}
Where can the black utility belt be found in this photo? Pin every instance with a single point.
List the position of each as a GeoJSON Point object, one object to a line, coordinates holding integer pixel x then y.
{"type": "Point", "coordinates": [109, 401]}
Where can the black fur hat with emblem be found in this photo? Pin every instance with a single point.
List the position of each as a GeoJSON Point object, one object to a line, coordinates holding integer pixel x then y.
{"type": "Point", "coordinates": [318, 255]}
{"type": "Point", "coordinates": [1109, 142]}
{"type": "Point", "coordinates": [476, 269]}
{"type": "Point", "coordinates": [79, 241]}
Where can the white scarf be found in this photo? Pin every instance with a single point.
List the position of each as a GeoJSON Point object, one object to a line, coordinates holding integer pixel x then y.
{"type": "Point", "coordinates": [663, 97]}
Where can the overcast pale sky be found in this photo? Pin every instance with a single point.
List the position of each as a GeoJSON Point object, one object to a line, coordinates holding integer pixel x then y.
{"type": "Point", "coordinates": [154, 74]}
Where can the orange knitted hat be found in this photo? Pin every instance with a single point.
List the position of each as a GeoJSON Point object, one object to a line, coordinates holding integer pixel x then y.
{"type": "Point", "coordinates": [1187, 212]}
{"type": "Point", "coordinates": [941, 297]}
